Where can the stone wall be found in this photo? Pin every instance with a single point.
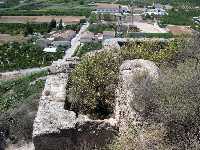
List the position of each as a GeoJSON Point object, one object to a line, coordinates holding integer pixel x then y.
{"type": "Point", "coordinates": [136, 78]}
{"type": "Point", "coordinates": [58, 129]}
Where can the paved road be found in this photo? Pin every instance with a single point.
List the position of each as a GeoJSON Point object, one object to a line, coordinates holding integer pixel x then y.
{"type": "Point", "coordinates": [75, 42]}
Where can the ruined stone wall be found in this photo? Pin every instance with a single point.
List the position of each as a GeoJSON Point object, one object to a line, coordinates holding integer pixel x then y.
{"type": "Point", "coordinates": [58, 129]}
{"type": "Point", "coordinates": [136, 78]}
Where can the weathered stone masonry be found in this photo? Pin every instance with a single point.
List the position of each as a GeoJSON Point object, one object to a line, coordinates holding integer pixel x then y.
{"type": "Point", "coordinates": [58, 129]}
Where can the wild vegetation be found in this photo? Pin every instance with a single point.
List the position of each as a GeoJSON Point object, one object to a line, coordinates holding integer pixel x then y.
{"type": "Point", "coordinates": [25, 55]}
{"type": "Point", "coordinates": [18, 105]}
{"type": "Point", "coordinates": [20, 90]}
{"type": "Point", "coordinates": [88, 47]}
{"type": "Point", "coordinates": [92, 84]}
{"type": "Point", "coordinates": [173, 112]}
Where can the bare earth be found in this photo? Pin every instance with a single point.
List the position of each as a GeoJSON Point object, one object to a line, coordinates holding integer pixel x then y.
{"type": "Point", "coordinates": [40, 19]}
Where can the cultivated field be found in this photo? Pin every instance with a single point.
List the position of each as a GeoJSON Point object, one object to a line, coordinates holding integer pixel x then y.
{"type": "Point", "coordinates": [40, 19]}
{"type": "Point", "coordinates": [4, 38]}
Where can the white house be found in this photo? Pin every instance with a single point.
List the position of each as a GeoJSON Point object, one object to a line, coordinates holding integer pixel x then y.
{"type": "Point", "coordinates": [156, 9]}
{"type": "Point", "coordinates": [111, 8]}
{"type": "Point", "coordinates": [156, 12]}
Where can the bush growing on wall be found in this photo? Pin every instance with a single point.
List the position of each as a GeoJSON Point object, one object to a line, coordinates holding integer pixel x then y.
{"type": "Point", "coordinates": [91, 88]}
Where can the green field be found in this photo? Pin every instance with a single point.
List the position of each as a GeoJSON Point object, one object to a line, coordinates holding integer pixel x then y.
{"type": "Point", "coordinates": [25, 55]}
{"type": "Point", "coordinates": [47, 7]}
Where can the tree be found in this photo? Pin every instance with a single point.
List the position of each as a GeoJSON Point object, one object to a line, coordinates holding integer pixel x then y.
{"type": "Point", "coordinates": [28, 29]}
{"type": "Point", "coordinates": [52, 24]}
{"type": "Point", "coordinates": [81, 2]}
{"type": "Point", "coordinates": [60, 26]}
{"type": "Point", "coordinates": [93, 18]}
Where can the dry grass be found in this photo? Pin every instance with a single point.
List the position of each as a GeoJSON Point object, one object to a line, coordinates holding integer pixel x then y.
{"type": "Point", "coordinates": [40, 19]}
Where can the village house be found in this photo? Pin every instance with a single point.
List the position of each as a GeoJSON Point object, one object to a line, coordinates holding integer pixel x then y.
{"type": "Point", "coordinates": [111, 8]}
{"type": "Point", "coordinates": [62, 38]}
{"type": "Point", "coordinates": [156, 9]}
{"type": "Point", "coordinates": [87, 37]}
{"type": "Point", "coordinates": [108, 34]}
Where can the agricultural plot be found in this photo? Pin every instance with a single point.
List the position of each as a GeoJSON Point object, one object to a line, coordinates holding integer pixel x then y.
{"type": "Point", "coordinates": [5, 38]}
{"type": "Point", "coordinates": [15, 56]}
{"type": "Point", "coordinates": [40, 19]}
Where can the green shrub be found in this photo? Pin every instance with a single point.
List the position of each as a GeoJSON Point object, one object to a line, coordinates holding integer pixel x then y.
{"type": "Point", "coordinates": [91, 87]}
{"type": "Point", "coordinates": [87, 47]}
{"type": "Point", "coordinates": [155, 51]}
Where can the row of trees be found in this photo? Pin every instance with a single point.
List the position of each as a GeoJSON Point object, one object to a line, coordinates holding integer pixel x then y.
{"type": "Point", "coordinates": [30, 28]}
{"type": "Point", "coordinates": [19, 28]}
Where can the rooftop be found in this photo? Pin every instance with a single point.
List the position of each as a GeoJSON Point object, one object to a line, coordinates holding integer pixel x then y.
{"type": "Point", "coordinates": [87, 34]}
{"type": "Point", "coordinates": [50, 49]}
